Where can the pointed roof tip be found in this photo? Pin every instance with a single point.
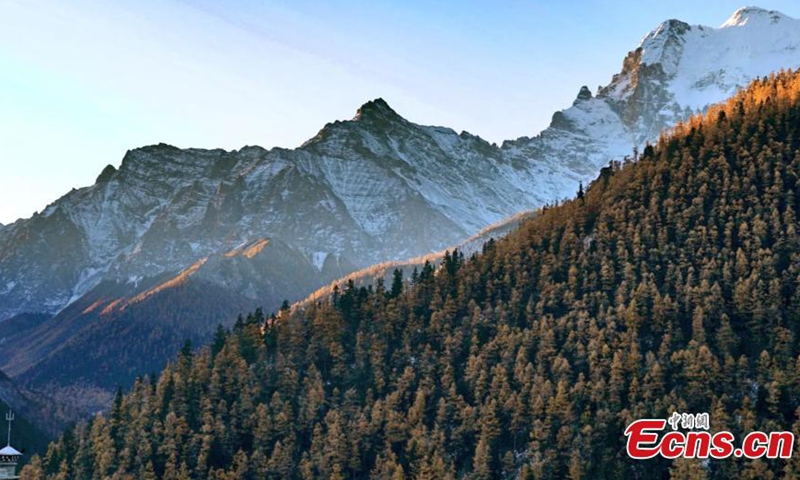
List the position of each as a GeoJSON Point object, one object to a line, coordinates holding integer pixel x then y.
{"type": "Point", "coordinates": [9, 451]}
{"type": "Point", "coordinates": [744, 15]}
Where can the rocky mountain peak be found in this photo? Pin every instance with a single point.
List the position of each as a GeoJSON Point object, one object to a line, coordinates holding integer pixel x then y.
{"type": "Point", "coordinates": [375, 117]}
{"type": "Point", "coordinates": [583, 94]}
{"type": "Point", "coordinates": [138, 154]}
{"type": "Point", "coordinates": [664, 45]}
{"type": "Point", "coordinates": [375, 109]}
{"type": "Point", "coordinates": [753, 16]}
{"type": "Point", "coordinates": [665, 31]}
{"type": "Point", "coordinates": [106, 174]}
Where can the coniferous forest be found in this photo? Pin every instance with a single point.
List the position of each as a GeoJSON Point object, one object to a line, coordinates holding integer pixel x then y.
{"type": "Point", "coordinates": [670, 284]}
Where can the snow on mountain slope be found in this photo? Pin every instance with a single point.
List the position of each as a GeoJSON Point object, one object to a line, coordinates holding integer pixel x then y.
{"type": "Point", "coordinates": [373, 188]}
{"type": "Point", "coordinates": [262, 225]}
{"type": "Point", "coordinates": [677, 70]}
{"type": "Point", "coordinates": [385, 270]}
{"type": "Point", "coordinates": [689, 67]}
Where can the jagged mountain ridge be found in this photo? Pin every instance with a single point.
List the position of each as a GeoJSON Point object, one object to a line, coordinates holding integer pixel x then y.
{"type": "Point", "coordinates": [244, 228]}
{"type": "Point", "coordinates": [267, 225]}
{"type": "Point", "coordinates": [677, 70]}
{"type": "Point", "coordinates": [343, 200]}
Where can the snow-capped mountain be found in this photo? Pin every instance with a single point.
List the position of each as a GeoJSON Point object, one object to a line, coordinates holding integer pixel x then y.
{"type": "Point", "coordinates": [677, 70]}
{"type": "Point", "coordinates": [361, 191]}
{"type": "Point", "coordinates": [258, 226]}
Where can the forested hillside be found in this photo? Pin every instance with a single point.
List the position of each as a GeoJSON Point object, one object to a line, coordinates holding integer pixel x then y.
{"type": "Point", "coordinates": [670, 285]}
{"type": "Point", "coordinates": [116, 264]}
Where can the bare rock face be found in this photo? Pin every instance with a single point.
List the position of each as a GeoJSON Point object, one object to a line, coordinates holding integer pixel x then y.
{"type": "Point", "coordinates": [106, 174]}
{"type": "Point", "coordinates": [254, 226]}
{"type": "Point", "coordinates": [583, 94]}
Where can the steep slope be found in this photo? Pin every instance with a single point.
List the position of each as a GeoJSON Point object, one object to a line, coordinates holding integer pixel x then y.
{"type": "Point", "coordinates": [256, 227]}
{"type": "Point", "coordinates": [245, 228]}
{"type": "Point", "coordinates": [677, 70]}
{"type": "Point", "coordinates": [671, 286]}
{"type": "Point", "coordinates": [343, 200]}
{"type": "Point", "coordinates": [386, 272]}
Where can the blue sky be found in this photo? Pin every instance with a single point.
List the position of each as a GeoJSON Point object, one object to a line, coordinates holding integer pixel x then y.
{"type": "Point", "coordinates": [82, 81]}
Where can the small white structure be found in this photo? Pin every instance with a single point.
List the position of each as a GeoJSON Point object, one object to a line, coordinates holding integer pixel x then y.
{"type": "Point", "coordinates": [9, 456]}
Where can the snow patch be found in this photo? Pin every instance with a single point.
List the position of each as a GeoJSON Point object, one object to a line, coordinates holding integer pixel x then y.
{"type": "Point", "coordinates": [318, 259]}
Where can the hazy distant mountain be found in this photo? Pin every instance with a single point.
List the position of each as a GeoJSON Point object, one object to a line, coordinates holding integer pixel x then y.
{"type": "Point", "coordinates": [114, 262]}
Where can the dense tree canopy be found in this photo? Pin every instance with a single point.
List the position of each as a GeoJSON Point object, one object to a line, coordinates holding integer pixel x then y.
{"type": "Point", "coordinates": [670, 285]}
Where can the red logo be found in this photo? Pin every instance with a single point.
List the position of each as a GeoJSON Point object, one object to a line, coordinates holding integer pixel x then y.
{"type": "Point", "coordinates": [647, 439]}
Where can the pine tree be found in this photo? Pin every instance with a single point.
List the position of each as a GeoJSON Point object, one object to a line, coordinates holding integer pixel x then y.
{"type": "Point", "coordinates": [397, 283]}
